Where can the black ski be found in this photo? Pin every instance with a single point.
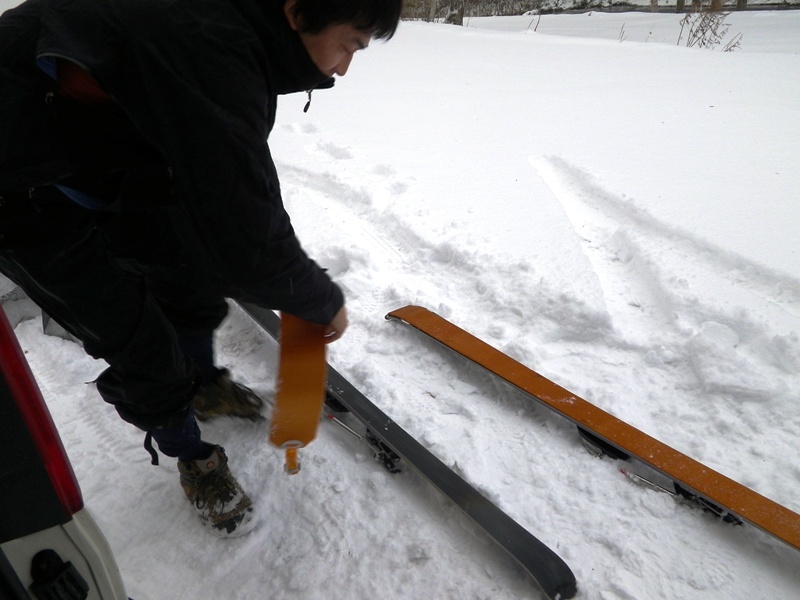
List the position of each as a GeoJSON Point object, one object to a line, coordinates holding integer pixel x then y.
{"type": "Point", "coordinates": [547, 569]}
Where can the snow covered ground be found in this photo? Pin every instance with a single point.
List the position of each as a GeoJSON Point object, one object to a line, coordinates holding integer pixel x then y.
{"type": "Point", "coordinates": [621, 216]}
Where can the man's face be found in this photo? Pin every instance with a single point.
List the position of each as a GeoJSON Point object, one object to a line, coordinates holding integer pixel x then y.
{"type": "Point", "coordinates": [333, 48]}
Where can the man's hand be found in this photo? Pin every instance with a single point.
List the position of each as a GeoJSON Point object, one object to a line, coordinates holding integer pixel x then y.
{"type": "Point", "coordinates": [336, 328]}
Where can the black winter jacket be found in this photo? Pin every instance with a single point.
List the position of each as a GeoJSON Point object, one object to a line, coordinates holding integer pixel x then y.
{"type": "Point", "coordinates": [194, 85]}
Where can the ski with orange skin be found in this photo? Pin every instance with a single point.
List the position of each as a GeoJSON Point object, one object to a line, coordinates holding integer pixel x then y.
{"type": "Point", "coordinates": [546, 568]}
{"type": "Point", "coordinates": [689, 478]}
{"type": "Point", "coordinates": [302, 371]}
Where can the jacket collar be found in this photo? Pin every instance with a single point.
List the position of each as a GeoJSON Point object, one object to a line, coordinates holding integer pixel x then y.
{"type": "Point", "coordinates": [290, 66]}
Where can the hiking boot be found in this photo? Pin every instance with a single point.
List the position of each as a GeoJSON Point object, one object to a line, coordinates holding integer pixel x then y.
{"type": "Point", "coordinates": [219, 500]}
{"type": "Point", "coordinates": [226, 397]}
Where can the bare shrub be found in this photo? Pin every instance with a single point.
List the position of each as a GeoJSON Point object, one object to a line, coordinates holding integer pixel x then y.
{"type": "Point", "coordinates": [707, 27]}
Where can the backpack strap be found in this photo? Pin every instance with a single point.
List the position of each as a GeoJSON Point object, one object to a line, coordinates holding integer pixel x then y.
{"type": "Point", "coordinates": [79, 84]}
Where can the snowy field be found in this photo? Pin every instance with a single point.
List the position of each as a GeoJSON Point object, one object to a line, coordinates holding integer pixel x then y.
{"type": "Point", "coordinates": [621, 216]}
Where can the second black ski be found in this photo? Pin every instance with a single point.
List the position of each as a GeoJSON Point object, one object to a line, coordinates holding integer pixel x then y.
{"type": "Point", "coordinates": [547, 569]}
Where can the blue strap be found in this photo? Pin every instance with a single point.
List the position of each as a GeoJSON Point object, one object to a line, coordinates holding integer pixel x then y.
{"type": "Point", "coordinates": [81, 198]}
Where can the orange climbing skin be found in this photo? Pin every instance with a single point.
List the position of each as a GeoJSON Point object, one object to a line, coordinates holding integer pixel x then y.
{"type": "Point", "coordinates": [302, 376]}
{"type": "Point", "coordinates": [748, 505]}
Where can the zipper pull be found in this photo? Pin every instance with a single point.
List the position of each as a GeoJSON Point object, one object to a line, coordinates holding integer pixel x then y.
{"type": "Point", "coordinates": [308, 104]}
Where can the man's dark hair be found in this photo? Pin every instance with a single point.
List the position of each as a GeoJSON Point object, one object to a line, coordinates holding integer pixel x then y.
{"type": "Point", "coordinates": [378, 17]}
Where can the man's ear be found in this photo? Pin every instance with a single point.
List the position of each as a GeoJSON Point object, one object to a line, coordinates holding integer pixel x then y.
{"type": "Point", "coordinates": [288, 10]}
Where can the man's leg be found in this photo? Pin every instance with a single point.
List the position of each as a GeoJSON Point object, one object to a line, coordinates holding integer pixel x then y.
{"type": "Point", "coordinates": [146, 243]}
{"type": "Point", "coordinates": [52, 249]}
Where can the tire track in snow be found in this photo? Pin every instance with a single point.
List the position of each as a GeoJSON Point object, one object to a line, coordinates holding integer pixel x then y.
{"type": "Point", "coordinates": [593, 208]}
{"type": "Point", "coordinates": [97, 435]}
{"type": "Point", "coordinates": [633, 295]}
{"type": "Point", "coordinates": [689, 281]}
{"type": "Point", "coordinates": [665, 286]}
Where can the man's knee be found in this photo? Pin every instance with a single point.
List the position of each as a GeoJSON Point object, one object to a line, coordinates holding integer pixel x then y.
{"type": "Point", "coordinates": [147, 404]}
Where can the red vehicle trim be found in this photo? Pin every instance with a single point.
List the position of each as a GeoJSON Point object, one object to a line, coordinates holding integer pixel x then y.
{"type": "Point", "coordinates": [36, 416]}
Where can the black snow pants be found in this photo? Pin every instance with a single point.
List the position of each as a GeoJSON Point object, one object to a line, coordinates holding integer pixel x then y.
{"type": "Point", "coordinates": [121, 287]}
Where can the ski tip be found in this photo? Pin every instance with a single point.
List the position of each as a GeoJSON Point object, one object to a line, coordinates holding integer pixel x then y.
{"type": "Point", "coordinates": [405, 312]}
{"type": "Point", "coordinates": [555, 578]}
{"type": "Point", "coordinates": [566, 591]}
